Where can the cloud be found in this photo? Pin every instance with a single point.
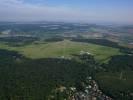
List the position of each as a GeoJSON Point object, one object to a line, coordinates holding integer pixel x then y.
{"type": "Point", "coordinates": [18, 10]}
{"type": "Point", "coordinates": [10, 2]}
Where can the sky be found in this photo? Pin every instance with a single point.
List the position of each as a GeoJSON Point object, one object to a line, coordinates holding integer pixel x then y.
{"type": "Point", "coordinates": [89, 11]}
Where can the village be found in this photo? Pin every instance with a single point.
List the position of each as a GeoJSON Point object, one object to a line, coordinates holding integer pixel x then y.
{"type": "Point", "coordinates": [90, 91]}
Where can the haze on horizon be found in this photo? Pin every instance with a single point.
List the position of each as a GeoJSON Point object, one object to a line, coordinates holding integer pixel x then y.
{"type": "Point", "coordinates": [115, 11]}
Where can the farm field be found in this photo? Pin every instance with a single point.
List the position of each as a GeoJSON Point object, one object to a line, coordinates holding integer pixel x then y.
{"type": "Point", "coordinates": [114, 82]}
{"type": "Point", "coordinates": [63, 48]}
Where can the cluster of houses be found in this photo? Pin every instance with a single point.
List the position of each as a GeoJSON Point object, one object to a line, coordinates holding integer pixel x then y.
{"type": "Point", "coordinates": [90, 91]}
{"type": "Point", "coordinates": [69, 58]}
{"type": "Point", "coordinates": [83, 52]}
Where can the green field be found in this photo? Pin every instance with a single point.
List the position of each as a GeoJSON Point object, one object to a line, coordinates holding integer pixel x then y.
{"type": "Point", "coordinates": [116, 83]}
{"type": "Point", "coordinates": [63, 48]}
{"type": "Point", "coordinates": [122, 81]}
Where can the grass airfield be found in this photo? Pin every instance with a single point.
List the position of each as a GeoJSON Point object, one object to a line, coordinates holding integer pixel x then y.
{"type": "Point", "coordinates": [63, 48]}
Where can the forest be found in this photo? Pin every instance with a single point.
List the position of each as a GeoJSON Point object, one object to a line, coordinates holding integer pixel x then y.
{"type": "Point", "coordinates": [22, 78]}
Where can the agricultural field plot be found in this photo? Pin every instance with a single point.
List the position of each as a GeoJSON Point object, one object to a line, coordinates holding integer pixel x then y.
{"type": "Point", "coordinates": [63, 48]}
{"type": "Point", "coordinates": [116, 83]}
{"type": "Point", "coordinates": [118, 80]}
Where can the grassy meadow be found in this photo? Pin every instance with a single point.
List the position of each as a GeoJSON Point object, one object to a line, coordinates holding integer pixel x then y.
{"type": "Point", "coordinates": [63, 48]}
